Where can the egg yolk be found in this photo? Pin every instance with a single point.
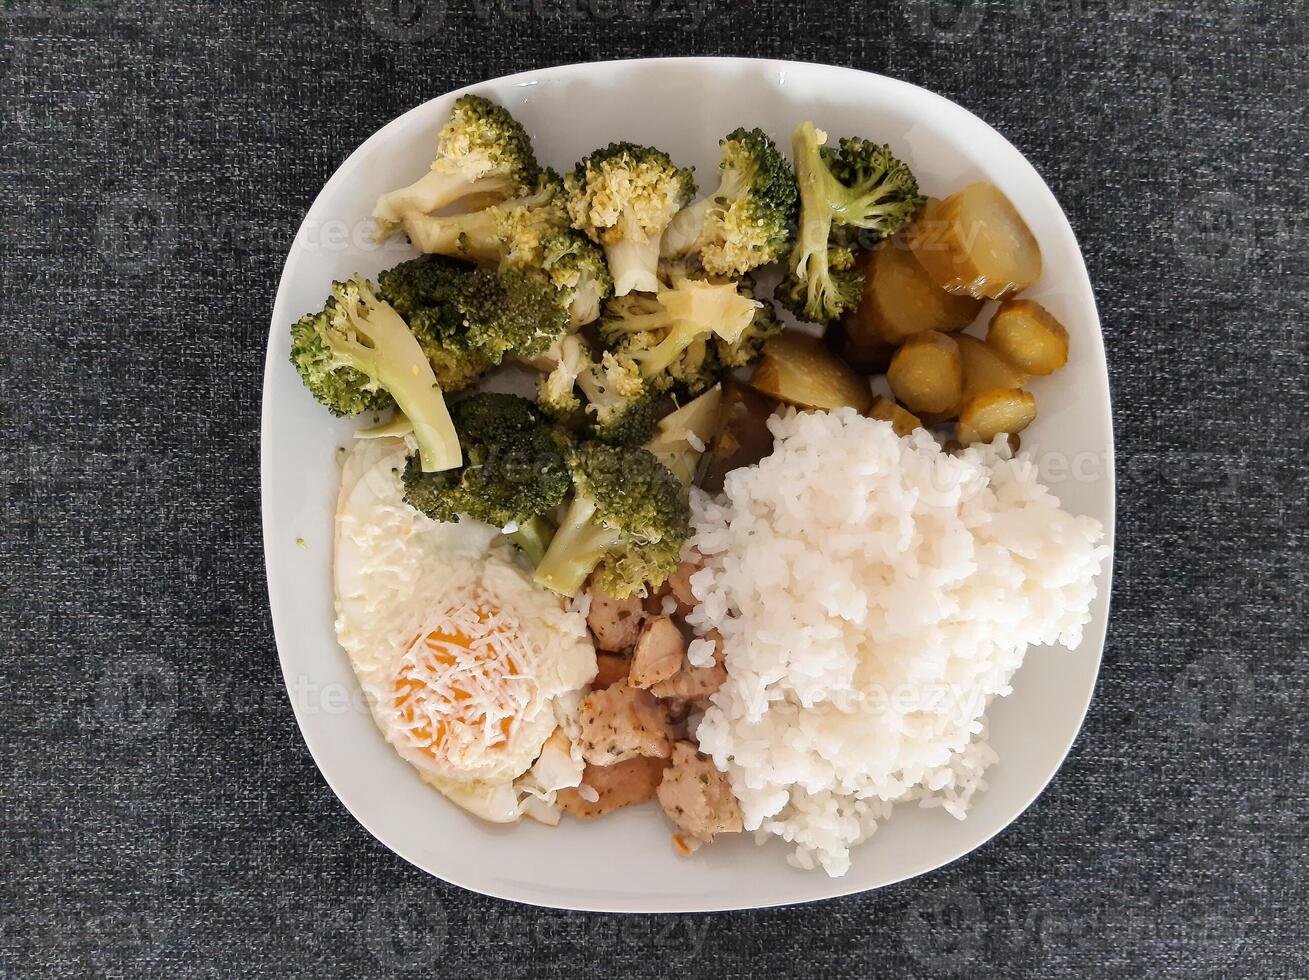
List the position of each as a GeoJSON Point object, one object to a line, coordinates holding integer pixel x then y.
{"type": "Point", "coordinates": [454, 689]}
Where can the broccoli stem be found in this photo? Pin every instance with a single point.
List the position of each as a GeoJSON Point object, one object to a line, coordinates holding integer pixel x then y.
{"type": "Point", "coordinates": [436, 189]}
{"type": "Point", "coordinates": [469, 236]}
{"type": "Point", "coordinates": [634, 266]}
{"type": "Point", "coordinates": [533, 537]}
{"type": "Point", "coordinates": [821, 197]}
{"type": "Point", "coordinates": [683, 233]}
{"type": "Point", "coordinates": [687, 229]}
{"type": "Point", "coordinates": [680, 336]}
{"type": "Point", "coordinates": [577, 547]}
{"type": "Point", "coordinates": [379, 343]}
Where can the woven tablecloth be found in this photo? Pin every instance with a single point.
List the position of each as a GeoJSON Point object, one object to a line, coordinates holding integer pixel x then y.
{"type": "Point", "coordinates": [159, 813]}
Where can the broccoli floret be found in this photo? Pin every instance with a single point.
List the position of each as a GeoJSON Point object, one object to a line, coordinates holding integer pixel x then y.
{"type": "Point", "coordinates": [360, 346]}
{"type": "Point", "coordinates": [860, 186]}
{"type": "Point", "coordinates": [515, 470]}
{"type": "Point", "coordinates": [344, 390]}
{"type": "Point", "coordinates": [508, 234]}
{"type": "Point", "coordinates": [615, 406]}
{"type": "Point", "coordinates": [667, 336]}
{"type": "Point", "coordinates": [531, 232]}
{"type": "Point", "coordinates": [628, 512]}
{"type": "Point", "coordinates": [748, 221]}
{"type": "Point", "coordinates": [556, 390]}
{"type": "Point", "coordinates": [576, 266]}
{"type": "Point", "coordinates": [624, 196]}
{"type": "Point", "coordinates": [482, 152]}
{"type": "Point", "coordinates": [474, 317]}
{"type": "Point", "coordinates": [725, 355]}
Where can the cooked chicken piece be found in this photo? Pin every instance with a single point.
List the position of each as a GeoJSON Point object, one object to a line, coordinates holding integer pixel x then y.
{"type": "Point", "coordinates": [615, 623]}
{"type": "Point", "coordinates": [616, 786]}
{"type": "Point", "coordinates": [691, 683]}
{"type": "Point", "coordinates": [622, 722]}
{"type": "Point", "coordinates": [679, 584]}
{"type": "Point", "coordinates": [610, 669]}
{"type": "Point", "coordinates": [659, 652]}
{"type": "Point", "coordinates": [698, 798]}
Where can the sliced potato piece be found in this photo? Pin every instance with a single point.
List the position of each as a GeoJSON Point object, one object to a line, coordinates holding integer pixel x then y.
{"type": "Point", "coordinates": [985, 369]}
{"type": "Point", "coordinates": [901, 300]}
{"type": "Point", "coordinates": [902, 421]}
{"type": "Point", "coordinates": [1025, 334]}
{"type": "Point", "coordinates": [975, 243]}
{"type": "Point", "coordinates": [866, 357]}
{"type": "Point", "coordinates": [742, 437]}
{"type": "Point", "coordinates": [991, 412]}
{"type": "Point", "coordinates": [927, 374]}
{"type": "Point", "coordinates": [799, 369]}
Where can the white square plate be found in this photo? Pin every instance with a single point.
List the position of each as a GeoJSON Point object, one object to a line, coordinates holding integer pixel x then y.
{"type": "Point", "coordinates": [625, 861]}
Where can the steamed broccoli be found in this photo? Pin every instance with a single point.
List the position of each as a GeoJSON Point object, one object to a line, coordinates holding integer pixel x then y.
{"type": "Point", "coordinates": [727, 354]}
{"type": "Point", "coordinates": [474, 317]}
{"type": "Point", "coordinates": [859, 185]}
{"type": "Point", "coordinates": [615, 406]}
{"type": "Point", "coordinates": [575, 266]}
{"type": "Point", "coordinates": [482, 152]}
{"type": "Point", "coordinates": [667, 336]}
{"type": "Point", "coordinates": [526, 233]}
{"type": "Point", "coordinates": [747, 222]}
{"type": "Point", "coordinates": [628, 512]}
{"type": "Point", "coordinates": [360, 347]}
{"type": "Point", "coordinates": [624, 196]}
{"type": "Point", "coordinates": [515, 469]}
{"type": "Point", "coordinates": [508, 234]}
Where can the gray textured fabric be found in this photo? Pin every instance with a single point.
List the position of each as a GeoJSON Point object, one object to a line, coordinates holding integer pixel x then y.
{"type": "Point", "coordinates": [161, 815]}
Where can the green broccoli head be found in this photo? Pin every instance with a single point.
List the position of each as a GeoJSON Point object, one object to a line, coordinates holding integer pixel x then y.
{"type": "Point", "coordinates": [556, 389]}
{"type": "Point", "coordinates": [515, 465]}
{"type": "Point", "coordinates": [508, 234]}
{"type": "Point", "coordinates": [576, 266]}
{"type": "Point", "coordinates": [615, 404]}
{"type": "Point", "coordinates": [858, 186]}
{"type": "Point", "coordinates": [475, 317]}
{"type": "Point", "coordinates": [481, 152]}
{"type": "Point", "coordinates": [628, 512]}
{"type": "Point", "coordinates": [623, 196]}
{"type": "Point", "coordinates": [669, 336]}
{"type": "Point", "coordinates": [343, 389]}
{"type": "Point", "coordinates": [748, 221]}
{"type": "Point", "coordinates": [725, 355]}
{"type": "Point", "coordinates": [359, 347]}
{"type": "Point", "coordinates": [621, 406]}
{"type": "Point", "coordinates": [882, 192]}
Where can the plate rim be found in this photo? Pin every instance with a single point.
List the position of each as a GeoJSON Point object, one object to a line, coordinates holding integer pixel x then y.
{"type": "Point", "coordinates": [838, 890]}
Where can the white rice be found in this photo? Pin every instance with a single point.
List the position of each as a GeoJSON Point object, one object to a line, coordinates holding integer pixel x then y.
{"type": "Point", "coordinates": [874, 594]}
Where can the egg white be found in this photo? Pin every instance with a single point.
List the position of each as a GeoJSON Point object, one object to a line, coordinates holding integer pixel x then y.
{"type": "Point", "coordinates": [397, 574]}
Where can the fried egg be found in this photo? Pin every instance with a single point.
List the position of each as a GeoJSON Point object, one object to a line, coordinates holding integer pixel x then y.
{"type": "Point", "coordinates": [468, 666]}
